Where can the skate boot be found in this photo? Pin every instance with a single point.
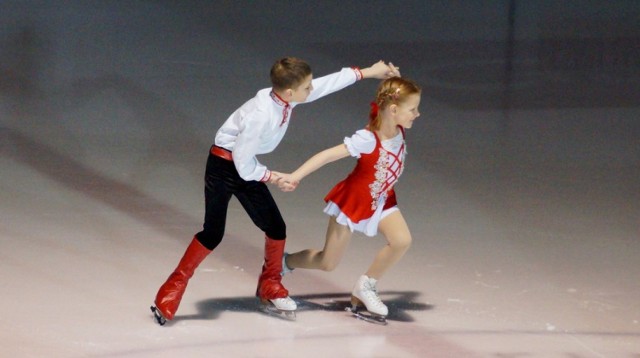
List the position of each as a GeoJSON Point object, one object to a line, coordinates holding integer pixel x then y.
{"type": "Point", "coordinates": [365, 302]}
{"type": "Point", "coordinates": [273, 297]}
{"type": "Point", "coordinates": [170, 293]}
{"type": "Point", "coordinates": [279, 307]}
{"type": "Point", "coordinates": [285, 268]}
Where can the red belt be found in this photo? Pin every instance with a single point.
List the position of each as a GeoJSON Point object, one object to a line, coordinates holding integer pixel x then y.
{"type": "Point", "coordinates": [221, 152]}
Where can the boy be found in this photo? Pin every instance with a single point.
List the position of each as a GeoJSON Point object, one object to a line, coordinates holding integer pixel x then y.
{"type": "Point", "coordinates": [257, 127]}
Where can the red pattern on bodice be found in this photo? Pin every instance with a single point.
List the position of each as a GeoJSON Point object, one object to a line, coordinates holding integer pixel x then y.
{"type": "Point", "coordinates": [374, 175]}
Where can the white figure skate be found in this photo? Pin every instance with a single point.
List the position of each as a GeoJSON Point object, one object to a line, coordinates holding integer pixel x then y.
{"type": "Point", "coordinates": [365, 303]}
{"type": "Point", "coordinates": [280, 307]}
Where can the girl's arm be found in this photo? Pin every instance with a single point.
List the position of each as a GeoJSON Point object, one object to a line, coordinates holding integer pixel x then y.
{"type": "Point", "coordinates": [319, 160]}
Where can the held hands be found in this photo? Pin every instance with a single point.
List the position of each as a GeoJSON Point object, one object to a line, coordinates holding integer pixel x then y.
{"type": "Point", "coordinates": [381, 70]}
{"type": "Point", "coordinates": [284, 181]}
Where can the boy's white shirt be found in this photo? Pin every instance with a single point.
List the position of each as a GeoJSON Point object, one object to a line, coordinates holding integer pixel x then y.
{"type": "Point", "coordinates": [257, 127]}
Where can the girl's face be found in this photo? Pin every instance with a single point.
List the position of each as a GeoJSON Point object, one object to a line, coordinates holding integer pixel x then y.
{"type": "Point", "coordinates": [300, 93]}
{"type": "Point", "coordinates": [407, 111]}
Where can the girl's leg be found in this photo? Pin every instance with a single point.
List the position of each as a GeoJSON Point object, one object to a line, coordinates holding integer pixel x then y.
{"type": "Point", "coordinates": [396, 231]}
{"type": "Point", "coordinates": [365, 292]}
{"type": "Point", "coordinates": [337, 240]}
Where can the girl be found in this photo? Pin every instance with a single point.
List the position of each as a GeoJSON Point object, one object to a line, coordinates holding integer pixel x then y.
{"type": "Point", "coordinates": [365, 201]}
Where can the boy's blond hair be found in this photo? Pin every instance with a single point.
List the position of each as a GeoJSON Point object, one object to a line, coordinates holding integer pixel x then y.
{"type": "Point", "coordinates": [289, 72]}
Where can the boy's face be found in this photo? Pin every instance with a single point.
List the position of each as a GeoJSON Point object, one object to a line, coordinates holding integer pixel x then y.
{"type": "Point", "coordinates": [300, 93]}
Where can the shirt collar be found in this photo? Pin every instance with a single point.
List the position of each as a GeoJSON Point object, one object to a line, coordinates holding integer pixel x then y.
{"type": "Point", "coordinates": [283, 103]}
{"type": "Point", "coordinates": [278, 99]}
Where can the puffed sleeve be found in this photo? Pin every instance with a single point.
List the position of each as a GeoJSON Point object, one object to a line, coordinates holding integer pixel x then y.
{"type": "Point", "coordinates": [362, 142]}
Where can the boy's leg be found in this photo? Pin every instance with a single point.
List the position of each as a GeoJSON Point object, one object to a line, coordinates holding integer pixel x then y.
{"type": "Point", "coordinates": [170, 293]}
{"type": "Point", "coordinates": [217, 198]}
{"type": "Point", "coordinates": [337, 240]}
{"type": "Point", "coordinates": [263, 211]}
{"type": "Point", "coordinates": [269, 283]}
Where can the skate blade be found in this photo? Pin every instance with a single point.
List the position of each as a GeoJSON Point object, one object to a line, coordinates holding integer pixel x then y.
{"type": "Point", "coordinates": [270, 310]}
{"type": "Point", "coordinates": [158, 316]}
{"type": "Point", "coordinates": [367, 316]}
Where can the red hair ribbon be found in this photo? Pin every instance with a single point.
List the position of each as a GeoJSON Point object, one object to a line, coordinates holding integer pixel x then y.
{"type": "Point", "coordinates": [374, 111]}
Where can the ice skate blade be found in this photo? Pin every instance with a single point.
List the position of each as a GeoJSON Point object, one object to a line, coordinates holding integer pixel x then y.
{"type": "Point", "coordinates": [158, 316]}
{"type": "Point", "coordinates": [367, 316]}
{"type": "Point", "coordinates": [271, 310]}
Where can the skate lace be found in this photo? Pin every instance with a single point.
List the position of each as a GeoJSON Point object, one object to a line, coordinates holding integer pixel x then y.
{"type": "Point", "coordinates": [371, 292]}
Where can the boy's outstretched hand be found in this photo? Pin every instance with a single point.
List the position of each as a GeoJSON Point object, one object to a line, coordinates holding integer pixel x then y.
{"type": "Point", "coordinates": [381, 70]}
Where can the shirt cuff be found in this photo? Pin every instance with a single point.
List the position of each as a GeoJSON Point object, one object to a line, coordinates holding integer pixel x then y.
{"type": "Point", "coordinates": [358, 73]}
{"type": "Point", "coordinates": [267, 176]}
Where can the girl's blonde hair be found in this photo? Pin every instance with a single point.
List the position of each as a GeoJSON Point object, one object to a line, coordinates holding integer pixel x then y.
{"type": "Point", "coordinates": [394, 90]}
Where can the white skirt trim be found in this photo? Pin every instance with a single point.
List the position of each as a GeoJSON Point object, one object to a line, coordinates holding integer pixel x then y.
{"type": "Point", "coordinates": [368, 226]}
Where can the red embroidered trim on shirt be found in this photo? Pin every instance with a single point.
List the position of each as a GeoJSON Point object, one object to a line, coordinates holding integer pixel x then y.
{"type": "Point", "coordinates": [287, 108]}
{"type": "Point", "coordinates": [358, 73]}
{"type": "Point", "coordinates": [267, 176]}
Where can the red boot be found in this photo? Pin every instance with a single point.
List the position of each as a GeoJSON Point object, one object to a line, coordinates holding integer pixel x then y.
{"type": "Point", "coordinates": [170, 293]}
{"type": "Point", "coordinates": [269, 283]}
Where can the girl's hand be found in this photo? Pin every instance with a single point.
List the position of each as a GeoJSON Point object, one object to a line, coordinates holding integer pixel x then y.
{"type": "Point", "coordinates": [284, 181]}
{"type": "Point", "coordinates": [287, 186]}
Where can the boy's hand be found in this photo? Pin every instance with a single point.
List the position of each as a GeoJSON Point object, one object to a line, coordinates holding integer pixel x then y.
{"type": "Point", "coordinates": [284, 181]}
{"type": "Point", "coordinates": [287, 186]}
{"type": "Point", "coordinates": [381, 70]}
